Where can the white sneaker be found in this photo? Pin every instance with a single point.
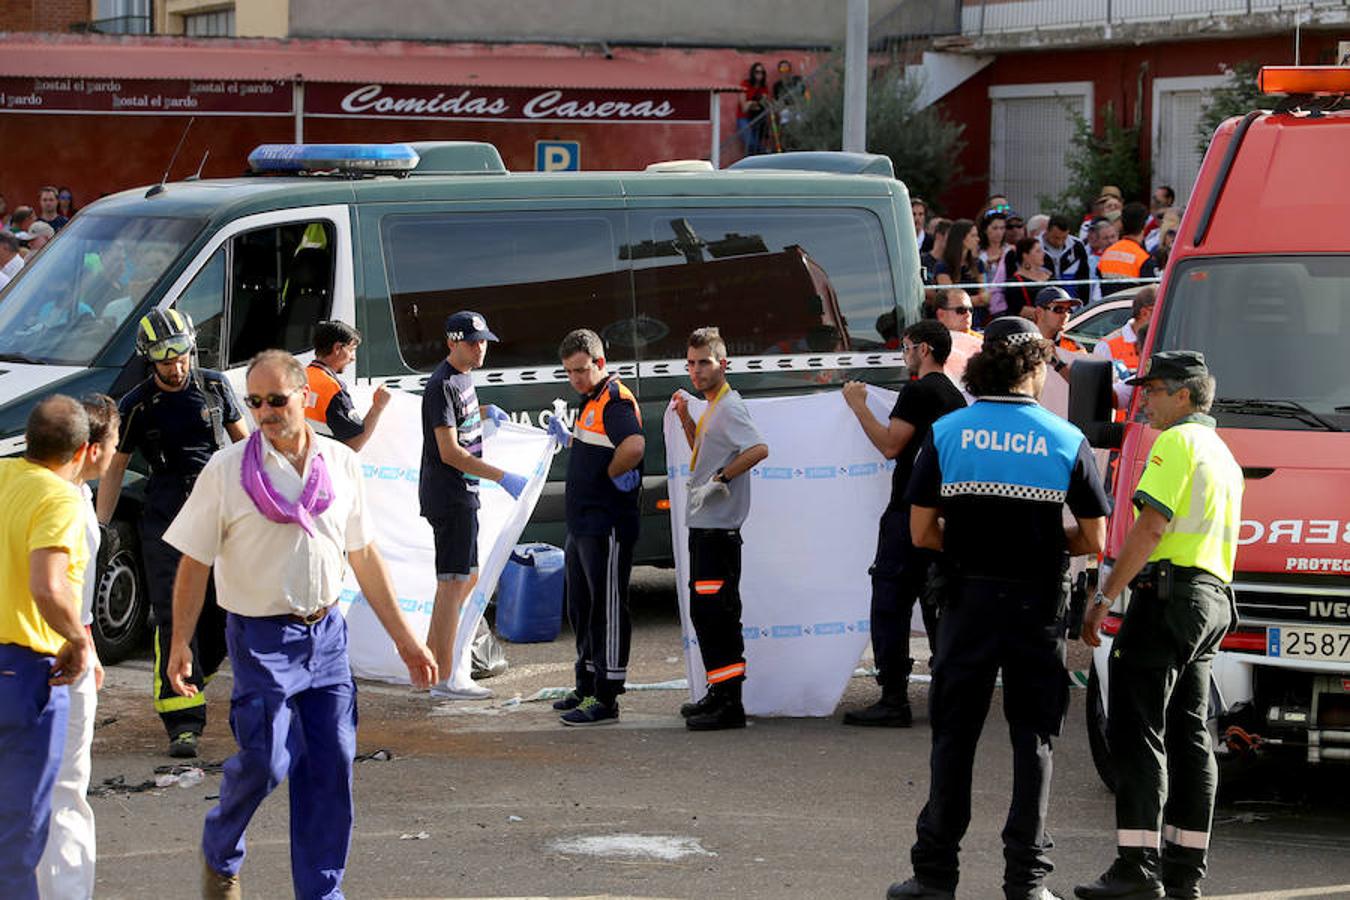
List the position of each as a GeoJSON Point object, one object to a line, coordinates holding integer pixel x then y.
{"type": "Point", "coordinates": [446, 690]}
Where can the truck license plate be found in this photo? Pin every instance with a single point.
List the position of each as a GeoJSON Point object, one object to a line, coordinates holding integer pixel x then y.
{"type": "Point", "coordinates": [1308, 643]}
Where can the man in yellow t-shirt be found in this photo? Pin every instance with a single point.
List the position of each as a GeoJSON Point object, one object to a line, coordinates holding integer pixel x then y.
{"type": "Point", "coordinates": [1178, 560]}
{"type": "Point", "coordinates": [43, 646]}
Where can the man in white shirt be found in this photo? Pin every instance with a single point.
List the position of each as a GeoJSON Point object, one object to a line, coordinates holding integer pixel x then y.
{"type": "Point", "coordinates": [275, 515]}
{"type": "Point", "coordinates": [10, 260]}
{"type": "Point", "coordinates": [66, 871]}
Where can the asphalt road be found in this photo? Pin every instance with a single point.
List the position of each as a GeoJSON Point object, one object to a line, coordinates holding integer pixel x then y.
{"type": "Point", "coordinates": [495, 799]}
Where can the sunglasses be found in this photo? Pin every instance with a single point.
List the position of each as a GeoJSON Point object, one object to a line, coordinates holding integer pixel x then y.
{"type": "Point", "coordinates": [276, 401]}
{"type": "Point", "coordinates": [1062, 308]}
{"type": "Point", "coordinates": [169, 348]}
{"type": "Point", "coordinates": [963, 310]}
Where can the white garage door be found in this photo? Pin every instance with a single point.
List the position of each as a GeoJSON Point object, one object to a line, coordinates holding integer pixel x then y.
{"type": "Point", "coordinates": [1177, 105]}
{"type": "Point", "coordinates": [1031, 127]}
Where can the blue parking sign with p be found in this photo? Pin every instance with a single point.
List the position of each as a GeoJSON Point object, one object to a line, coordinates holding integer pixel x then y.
{"type": "Point", "coordinates": [557, 156]}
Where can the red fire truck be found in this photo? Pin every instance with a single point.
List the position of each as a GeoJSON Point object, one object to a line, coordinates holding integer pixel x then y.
{"type": "Point", "coordinates": [1259, 281]}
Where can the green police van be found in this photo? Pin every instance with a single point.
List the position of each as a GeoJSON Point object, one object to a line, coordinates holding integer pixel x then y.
{"type": "Point", "coordinates": [807, 262]}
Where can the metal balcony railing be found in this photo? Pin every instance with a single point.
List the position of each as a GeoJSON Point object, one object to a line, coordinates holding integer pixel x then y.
{"type": "Point", "coordinates": [979, 17]}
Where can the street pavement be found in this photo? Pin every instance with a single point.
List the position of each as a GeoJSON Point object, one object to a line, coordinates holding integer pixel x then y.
{"type": "Point", "coordinates": [495, 799]}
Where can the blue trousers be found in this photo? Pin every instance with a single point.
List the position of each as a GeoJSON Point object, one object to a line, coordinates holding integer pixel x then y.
{"type": "Point", "coordinates": [293, 714]}
{"type": "Point", "coordinates": [32, 735]}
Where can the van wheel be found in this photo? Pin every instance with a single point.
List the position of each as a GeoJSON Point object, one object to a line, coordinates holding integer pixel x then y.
{"type": "Point", "coordinates": [1096, 729]}
{"type": "Point", "coordinates": [121, 606]}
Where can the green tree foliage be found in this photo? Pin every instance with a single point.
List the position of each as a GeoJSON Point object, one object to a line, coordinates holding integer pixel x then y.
{"type": "Point", "coordinates": [1236, 97]}
{"type": "Point", "coordinates": [1094, 160]}
{"type": "Point", "coordinates": [922, 143]}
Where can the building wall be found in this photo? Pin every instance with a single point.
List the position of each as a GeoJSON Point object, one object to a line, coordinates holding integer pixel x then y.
{"type": "Point", "coordinates": [252, 18]}
{"type": "Point", "coordinates": [1120, 75]}
{"type": "Point", "coordinates": [43, 15]}
{"type": "Point", "coordinates": [748, 23]}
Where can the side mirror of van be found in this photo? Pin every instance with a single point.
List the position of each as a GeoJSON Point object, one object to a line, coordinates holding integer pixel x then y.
{"type": "Point", "coordinates": [1090, 403]}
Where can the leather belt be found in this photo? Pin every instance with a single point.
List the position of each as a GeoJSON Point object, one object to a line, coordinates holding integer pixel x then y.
{"type": "Point", "coordinates": [313, 618]}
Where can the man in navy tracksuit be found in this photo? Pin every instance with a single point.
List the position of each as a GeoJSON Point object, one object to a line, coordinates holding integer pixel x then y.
{"type": "Point", "coordinates": [604, 473]}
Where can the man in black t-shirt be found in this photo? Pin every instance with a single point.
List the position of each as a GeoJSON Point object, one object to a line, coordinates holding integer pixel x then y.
{"type": "Point", "coordinates": [899, 570]}
{"type": "Point", "coordinates": [452, 466]}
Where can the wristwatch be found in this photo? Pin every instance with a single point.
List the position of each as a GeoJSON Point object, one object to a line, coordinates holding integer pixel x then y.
{"type": "Point", "coordinates": [1101, 599]}
{"type": "Point", "coordinates": [1058, 364]}
{"type": "Point", "coordinates": [719, 475]}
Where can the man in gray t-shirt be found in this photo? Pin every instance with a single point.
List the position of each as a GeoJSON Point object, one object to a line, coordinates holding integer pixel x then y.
{"type": "Point", "coordinates": [726, 446]}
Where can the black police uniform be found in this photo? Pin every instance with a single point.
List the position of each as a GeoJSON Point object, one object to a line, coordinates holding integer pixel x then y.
{"type": "Point", "coordinates": [602, 528]}
{"type": "Point", "coordinates": [177, 432]}
{"type": "Point", "coordinates": [1001, 472]}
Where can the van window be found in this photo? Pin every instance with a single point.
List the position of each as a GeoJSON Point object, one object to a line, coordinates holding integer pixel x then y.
{"type": "Point", "coordinates": [534, 276]}
{"type": "Point", "coordinates": [774, 280]}
{"type": "Point", "coordinates": [1272, 329]}
{"type": "Point", "coordinates": [281, 284]}
{"type": "Point", "coordinates": [204, 301]}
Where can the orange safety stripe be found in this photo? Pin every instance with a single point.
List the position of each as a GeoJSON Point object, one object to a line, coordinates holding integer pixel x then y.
{"type": "Point", "coordinates": [707, 587]}
{"type": "Point", "coordinates": [592, 417]}
{"type": "Point", "coordinates": [1124, 350]}
{"type": "Point", "coordinates": [323, 387]}
{"type": "Point", "coordinates": [726, 673]}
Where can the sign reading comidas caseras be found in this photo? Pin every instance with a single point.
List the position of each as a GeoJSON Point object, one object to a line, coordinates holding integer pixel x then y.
{"type": "Point", "coordinates": [415, 101]}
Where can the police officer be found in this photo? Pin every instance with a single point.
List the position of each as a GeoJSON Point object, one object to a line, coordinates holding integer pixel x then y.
{"type": "Point", "coordinates": [989, 488]}
{"type": "Point", "coordinates": [604, 473]}
{"type": "Point", "coordinates": [175, 419]}
{"type": "Point", "coordinates": [1178, 560]}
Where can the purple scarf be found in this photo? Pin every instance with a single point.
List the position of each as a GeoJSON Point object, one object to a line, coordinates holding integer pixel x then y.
{"type": "Point", "coordinates": [316, 496]}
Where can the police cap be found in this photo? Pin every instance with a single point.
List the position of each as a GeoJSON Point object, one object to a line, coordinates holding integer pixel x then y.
{"type": "Point", "coordinates": [467, 325]}
{"type": "Point", "coordinates": [1174, 365]}
{"type": "Point", "coordinates": [1012, 330]}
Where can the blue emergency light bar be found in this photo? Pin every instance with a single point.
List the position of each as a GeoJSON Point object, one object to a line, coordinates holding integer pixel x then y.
{"type": "Point", "coordinates": [368, 158]}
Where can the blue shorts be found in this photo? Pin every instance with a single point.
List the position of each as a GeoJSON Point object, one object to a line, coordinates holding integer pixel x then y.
{"type": "Point", "coordinates": [455, 534]}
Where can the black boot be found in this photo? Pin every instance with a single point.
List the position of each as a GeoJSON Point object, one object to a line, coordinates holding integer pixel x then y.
{"type": "Point", "coordinates": [891, 711]}
{"type": "Point", "coordinates": [725, 711]}
{"type": "Point", "coordinates": [702, 705]}
{"type": "Point", "coordinates": [1125, 880]}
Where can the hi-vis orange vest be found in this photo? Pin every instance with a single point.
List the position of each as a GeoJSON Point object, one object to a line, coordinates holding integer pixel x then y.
{"type": "Point", "coordinates": [1123, 259]}
{"type": "Point", "coordinates": [323, 387]}
{"type": "Point", "coordinates": [1123, 350]}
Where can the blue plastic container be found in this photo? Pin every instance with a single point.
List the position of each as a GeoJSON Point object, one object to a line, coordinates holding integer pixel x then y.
{"type": "Point", "coordinates": [530, 595]}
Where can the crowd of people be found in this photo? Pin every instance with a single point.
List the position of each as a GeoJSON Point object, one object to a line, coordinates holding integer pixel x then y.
{"type": "Point", "coordinates": [25, 229]}
{"type": "Point", "coordinates": [247, 534]}
{"type": "Point", "coordinates": [1000, 257]}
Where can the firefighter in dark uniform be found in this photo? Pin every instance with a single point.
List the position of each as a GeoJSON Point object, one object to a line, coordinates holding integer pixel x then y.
{"type": "Point", "coordinates": [604, 474]}
{"type": "Point", "coordinates": [1178, 561]}
{"type": "Point", "coordinates": [989, 488]}
{"type": "Point", "coordinates": [175, 419]}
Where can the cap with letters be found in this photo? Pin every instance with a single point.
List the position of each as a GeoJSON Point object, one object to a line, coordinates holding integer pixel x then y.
{"type": "Point", "coordinates": [1174, 365]}
{"type": "Point", "coordinates": [467, 325]}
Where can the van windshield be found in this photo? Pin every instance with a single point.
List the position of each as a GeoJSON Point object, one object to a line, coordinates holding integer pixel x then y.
{"type": "Point", "coordinates": [75, 294]}
{"type": "Point", "coordinates": [1274, 331]}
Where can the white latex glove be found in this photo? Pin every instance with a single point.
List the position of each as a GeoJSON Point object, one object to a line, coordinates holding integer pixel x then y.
{"type": "Point", "coordinates": [701, 494]}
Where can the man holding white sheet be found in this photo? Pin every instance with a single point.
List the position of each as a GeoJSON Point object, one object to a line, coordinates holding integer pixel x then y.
{"type": "Point", "coordinates": [726, 446]}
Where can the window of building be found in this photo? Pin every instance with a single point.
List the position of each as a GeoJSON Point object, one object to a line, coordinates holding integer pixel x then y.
{"type": "Point", "coordinates": [217, 23]}
{"type": "Point", "coordinates": [534, 276]}
{"type": "Point", "coordinates": [774, 280]}
{"type": "Point", "coordinates": [1031, 126]}
{"type": "Point", "coordinates": [122, 16]}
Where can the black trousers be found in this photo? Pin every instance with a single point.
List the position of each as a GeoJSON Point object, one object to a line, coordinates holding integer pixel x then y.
{"type": "Point", "coordinates": [598, 568]}
{"type": "Point", "coordinates": [896, 587]}
{"type": "Point", "coordinates": [988, 626]}
{"type": "Point", "coordinates": [160, 562]}
{"type": "Point", "coordinates": [715, 601]}
{"type": "Point", "coordinates": [1166, 776]}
